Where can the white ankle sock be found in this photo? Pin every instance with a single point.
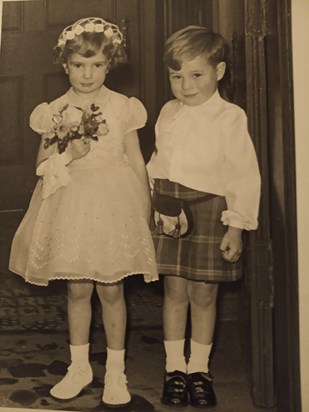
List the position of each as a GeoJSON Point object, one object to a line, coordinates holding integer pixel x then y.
{"type": "Point", "coordinates": [199, 357]}
{"type": "Point", "coordinates": [80, 354]}
{"type": "Point", "coordinates": [175, 359]}
{"type": "Point", "coordinates": [115, 360]}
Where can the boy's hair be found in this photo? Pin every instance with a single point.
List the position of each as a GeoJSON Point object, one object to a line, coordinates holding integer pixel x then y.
{"type": "Point", "coordinates": [106, 38]}
{"type": "Point", "coordinates": [193, 41]}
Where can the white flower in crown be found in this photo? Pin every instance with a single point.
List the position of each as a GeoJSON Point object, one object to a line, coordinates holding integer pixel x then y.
{"type": "Point", "coordinates": [70, 35]}
{"type": "Point", "coordinates": [61, 42]}
{"type": "Point", "coordinates": [90, 27]}
{"type": "Point", "coordinates": [109, 32]}
{"type": "Point", "coordinates": [79, 30]}
{"type": "Point", "coordinates": [117, 41]}
{"type": "Point", "coordinates": [99, 28]}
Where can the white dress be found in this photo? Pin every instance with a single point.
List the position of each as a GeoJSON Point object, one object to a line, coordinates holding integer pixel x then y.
{"type": "Point", "coordinates": [95, 227]}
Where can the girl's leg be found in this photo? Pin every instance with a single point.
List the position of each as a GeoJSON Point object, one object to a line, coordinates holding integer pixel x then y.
{"type": "Point", "coordinates": [175, 309]}
{"type": "Point", "coordinates": [79, 311]}
{"type": "Point", "coordinates": [79, 317]}
{"type": "Point", "coordinates": [114, 314]}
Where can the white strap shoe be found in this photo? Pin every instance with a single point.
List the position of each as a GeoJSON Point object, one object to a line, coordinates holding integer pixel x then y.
{"type": "Point", "coordinates": [115, 393]}
{"type": "Point", "coordinates": [73, 382]}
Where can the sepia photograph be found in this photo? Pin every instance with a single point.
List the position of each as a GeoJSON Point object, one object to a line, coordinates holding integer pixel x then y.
{"type": "Point", "coordinates": [154, 205]}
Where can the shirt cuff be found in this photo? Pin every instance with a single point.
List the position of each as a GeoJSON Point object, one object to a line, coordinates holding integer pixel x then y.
{"type": "Point", "coordinates": [232, 219]}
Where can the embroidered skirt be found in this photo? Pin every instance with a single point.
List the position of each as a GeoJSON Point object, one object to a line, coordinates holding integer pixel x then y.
{"type": "Point", "coordinates": [196, 256]}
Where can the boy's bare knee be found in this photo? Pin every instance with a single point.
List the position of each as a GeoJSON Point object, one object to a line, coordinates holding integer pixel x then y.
{"type": "Point", "coordinates": [203, 295]}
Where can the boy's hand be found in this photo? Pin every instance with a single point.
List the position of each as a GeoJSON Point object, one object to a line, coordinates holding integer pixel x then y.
{"type": "Point", "coordinates": [231, 245]}
{"type": "Point", "coordinates": [79, 148]}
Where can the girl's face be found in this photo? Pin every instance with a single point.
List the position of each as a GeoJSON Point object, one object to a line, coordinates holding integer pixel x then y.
{"type": "Point", "coordinates": [196, 81]}
{"type": "Point", "coordinates": [86, 74]}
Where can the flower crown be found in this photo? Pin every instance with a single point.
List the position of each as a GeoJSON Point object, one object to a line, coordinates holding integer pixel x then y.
{"type": "Point", "coordinates": [91, 25]}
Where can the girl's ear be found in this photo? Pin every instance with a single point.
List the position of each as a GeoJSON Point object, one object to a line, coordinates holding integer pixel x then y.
{"type": "Point", "coordinates": [65, 66]}
{"type": "Point", "coordinates": [220, 70]}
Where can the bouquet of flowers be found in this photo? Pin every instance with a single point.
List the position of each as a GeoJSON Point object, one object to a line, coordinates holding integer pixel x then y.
{"type": "Point", "coordinates": [68, 123]}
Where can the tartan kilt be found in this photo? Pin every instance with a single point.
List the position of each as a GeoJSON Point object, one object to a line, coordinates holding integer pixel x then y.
{"type": "Point", "coordinates": [197, 256]}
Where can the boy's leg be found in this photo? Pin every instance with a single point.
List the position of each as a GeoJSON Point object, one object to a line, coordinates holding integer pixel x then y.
{"type": "Point", "coordinates": [175, 310]}
{"type": "Point", "coordinates": [114, 315]}
{"type": "Point", "coordinates": [79, 373]}
{"type": "Point", "coordinates": [203, 299]}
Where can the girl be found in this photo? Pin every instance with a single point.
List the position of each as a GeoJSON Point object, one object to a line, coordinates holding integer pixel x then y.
{"type": "Point", "coordinates": [88, 218]}
{"type": "Point", "coordinates": [204, 170]}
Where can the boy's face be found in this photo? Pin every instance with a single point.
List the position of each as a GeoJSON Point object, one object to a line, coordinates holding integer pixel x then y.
{"type": "Point", "coordinates": [196, 81]}
{"type": "Point", "coordinates": [86, 74]}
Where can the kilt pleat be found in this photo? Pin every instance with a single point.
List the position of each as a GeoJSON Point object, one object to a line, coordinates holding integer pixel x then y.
{"type": "Point", "coordinates": [196, 256]}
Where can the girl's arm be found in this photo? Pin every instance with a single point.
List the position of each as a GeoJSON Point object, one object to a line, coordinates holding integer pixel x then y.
{"type": "Point", "coordinates": [44, 154]}
{"type": "Point", "coordinates": [135, 158]}
{"type": "Point", "coordinates": [78, 148]}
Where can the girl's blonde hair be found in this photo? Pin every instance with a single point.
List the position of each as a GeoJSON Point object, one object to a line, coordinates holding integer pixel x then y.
{"type": "Point", "coordinates": [89, 36]}
{"type": "Point", "coordinates": [193, 41]}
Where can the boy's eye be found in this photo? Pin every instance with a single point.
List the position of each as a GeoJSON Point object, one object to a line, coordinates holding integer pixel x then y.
{"type": "Point", "coordinates": [197, 74]}
{"type": "Point", "coordinates": [76, 65]}
{"type": "Point", "coordinates": [175, 76]}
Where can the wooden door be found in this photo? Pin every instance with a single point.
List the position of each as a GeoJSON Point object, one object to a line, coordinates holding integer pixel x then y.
{"type": "Point", "coordinates": [29, 77]}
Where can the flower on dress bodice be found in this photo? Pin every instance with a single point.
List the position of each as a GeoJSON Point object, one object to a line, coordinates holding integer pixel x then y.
{"type": "Point", "coordinates": [67, 123]}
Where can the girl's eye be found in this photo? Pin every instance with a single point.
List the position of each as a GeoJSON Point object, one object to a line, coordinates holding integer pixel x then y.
{"type": "Point", "coordinates": [197, 75]}
{"type": "Point", "coordinates": [99, 65]}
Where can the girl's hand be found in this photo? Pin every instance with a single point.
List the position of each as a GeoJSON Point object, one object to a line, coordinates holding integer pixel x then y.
{"type": "Point", "coordinates": [231, 245]}
{"type": "Point", "coordinates": [79, 148]}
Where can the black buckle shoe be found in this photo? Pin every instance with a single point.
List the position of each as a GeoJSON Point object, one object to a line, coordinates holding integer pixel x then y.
{"type": "Point", "coordinates": [175, 389]}
{"type": "Point", "coordinates": [201, 391]}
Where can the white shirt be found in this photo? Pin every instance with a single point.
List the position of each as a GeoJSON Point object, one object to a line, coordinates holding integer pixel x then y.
{"type": "Point", "coordinates": [208, 148]}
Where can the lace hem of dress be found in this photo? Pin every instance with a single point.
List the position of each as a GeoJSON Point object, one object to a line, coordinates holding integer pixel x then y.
{"type": "Point", "coordinates": [148, 277]}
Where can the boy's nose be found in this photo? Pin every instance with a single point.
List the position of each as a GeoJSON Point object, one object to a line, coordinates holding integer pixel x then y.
{"type": "Point", "coordinates": [187, 83]}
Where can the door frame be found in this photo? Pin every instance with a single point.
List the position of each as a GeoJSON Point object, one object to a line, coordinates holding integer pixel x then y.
{"type": "Point", "coordinates": [269, 24]}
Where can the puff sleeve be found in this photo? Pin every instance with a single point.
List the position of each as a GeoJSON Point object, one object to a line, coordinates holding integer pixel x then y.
{"type": "Point", "coordinates": [41, 119]}
{"type": "Point", "coordinates": [136, 115]}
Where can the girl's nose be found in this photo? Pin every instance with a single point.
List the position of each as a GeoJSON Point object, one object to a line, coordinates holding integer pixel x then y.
{"type": "Point", "coordinates": [87, 72]}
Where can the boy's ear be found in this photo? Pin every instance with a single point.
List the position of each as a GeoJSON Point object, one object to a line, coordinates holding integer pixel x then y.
{"type": "Point", "coordinates": [220, 69]}
{"type": "Point", "coordinates": [65, 66]}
